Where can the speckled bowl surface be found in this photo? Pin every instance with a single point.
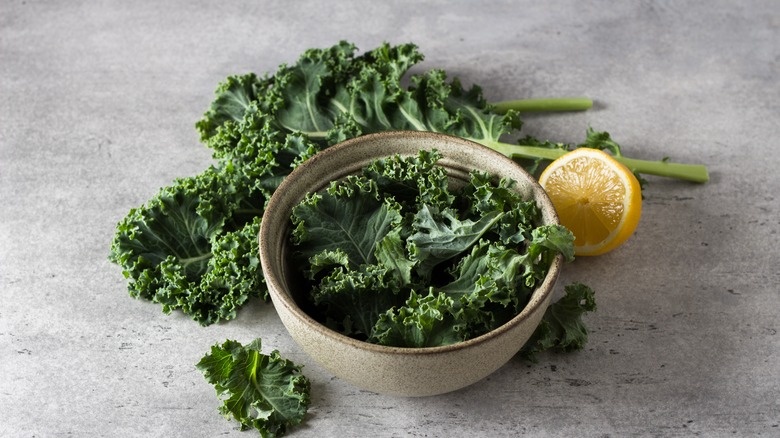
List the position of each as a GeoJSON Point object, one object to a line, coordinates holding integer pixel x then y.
{"type": "Point", "coordinates": [382, 369]}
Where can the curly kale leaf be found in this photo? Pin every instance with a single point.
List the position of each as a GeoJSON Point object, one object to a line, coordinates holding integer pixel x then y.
{"type": "Point", "coordinates": [333, 94]}
{"type": "Point", "coordinates": [442, 235]}
{"type": "Point", "coordinates": [264, 392]}
{"type": "Point", "coordinates": [494, 282]}
{"type": "Point", "coordinates": [484, 291]}
{"type": "Point", "coordinates": [347, 217]}
{"type": "Point", "coordinates": [483, 195]}
{"type": "Point", "coordinates": [313, 95]}
{"type": "Point", "coordinates": [234, 276]}
{"type": "Point", "coordinates": [353, 300]}
{"type": "Point", "coordinates": [425, 321]}
{"type": "Point", "coordinates": [350, 237]}
{"type": "Point", "coordinates": [192, 247]}
{"type": "Point", "coordinates": [304, 86]}
{"type": "Point", "coordinates": [233, 98]}
{"type": "Point", "coordinates": [412, 181]}
{"type": "Point", "coordinates": [259, 151]}
{"type": "Point", "coordinates": [562, 328]}
{"type": "Point", "coordinates": [373, 103]}
{"type": "Point", "coordinates": [549, 240]}
{"type": "Point", "coordinates": [392, 254]}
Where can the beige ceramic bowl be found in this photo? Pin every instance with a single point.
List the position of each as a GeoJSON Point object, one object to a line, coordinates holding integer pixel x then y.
{"type": "Point", "coordinates": [392, 370]}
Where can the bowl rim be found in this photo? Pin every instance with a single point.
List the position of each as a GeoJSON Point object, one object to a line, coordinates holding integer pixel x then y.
{"type": "Point", "coordinates": [286, 299]}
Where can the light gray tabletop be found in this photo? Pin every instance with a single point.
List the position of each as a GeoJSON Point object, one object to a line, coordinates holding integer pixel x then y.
{"type": "Point", "coordinates": [98, 102]}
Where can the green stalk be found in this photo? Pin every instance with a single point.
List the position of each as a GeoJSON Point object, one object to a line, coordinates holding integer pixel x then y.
{"type": "Point", "coordinates": [689, 172]}
{"type": "Point", "coordinates": [544, 105]}
{"type": "Point", "coordinates": [189, 260]}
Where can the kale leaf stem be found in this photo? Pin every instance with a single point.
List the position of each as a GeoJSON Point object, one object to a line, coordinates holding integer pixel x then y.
{"type": "Point", "coordinates": [195, 259]}
{"type": "Point", "coordinates": [544, 105]}
{"type": "Point", "coordinates": [689, 172]}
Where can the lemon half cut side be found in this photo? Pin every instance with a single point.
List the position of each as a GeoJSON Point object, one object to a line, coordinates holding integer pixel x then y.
{"type": "Point", "coordinates": [596, 197]}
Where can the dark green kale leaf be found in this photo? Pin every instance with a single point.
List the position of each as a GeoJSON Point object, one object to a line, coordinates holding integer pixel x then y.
{"type": "Point", "coordinates": [188, 247]}
{"type": "Point", "coordinates": [313, 95]}
{"type": "Point", "coordinates": [348, 217]}
{"type": "Point", "coordinates": [494, 282]}
{"type": "Point", "coordinates": [485, 290]}
{"type": "Point", "coordinates": [331, 95]}
{"type": "Point", "coordinates": [264, 392]}
{"type": "Point", "coordinates": [548, 240]}
{"type": "Point", "coordinates": [193, 247]}
{"type": "Point", "coordinates": [442, 235]}
{"type": "Point", "coordinates": [412, 181]}
{"type": "Point", "coordinates": [482, 195]}
{"type": "Point", "coordinates": [422, 322]}
{"type": "Point", "coordinates": [354, 299]}
{"type": "Point", "coordinates": [233, 98]}
{"type": "Point", "coordinates": [304, 87]}
{"type": "Point", "coordinates": [234, 276]}
{"type": "Point", "coordinates": [350, 237]}
{"type": "Point", "coordinates": [562, 328]}
{"type": "Point", "coordinates": [259, 151]}
{"type": "Point", "coordinates": [391, 253]}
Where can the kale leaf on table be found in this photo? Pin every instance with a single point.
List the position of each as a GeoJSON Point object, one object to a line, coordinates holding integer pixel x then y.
{"type": "Point", "coordinates": [264, 392]}
{"type": "Point", "coordinates": [193, 248]}
{"type": "Point", "coordinates": [562, 328]}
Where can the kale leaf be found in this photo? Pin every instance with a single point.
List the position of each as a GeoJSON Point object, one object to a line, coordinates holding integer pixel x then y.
{"type": "Point", "coordinates": [442, 235]}
{"type": "Point", "coordinates": [422, 322]}
{"type": "Point", "coordinates": [562, 328]}
{"type": "Point", "coordinates": [192, 247]}
{"type": "Point", "coordinates": [326, 222]}
{"type": "Point", "coordinates": [264, 392]}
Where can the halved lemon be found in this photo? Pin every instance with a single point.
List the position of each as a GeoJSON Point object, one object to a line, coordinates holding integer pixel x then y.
{"type": "Point", "coordinates": [596, 197]}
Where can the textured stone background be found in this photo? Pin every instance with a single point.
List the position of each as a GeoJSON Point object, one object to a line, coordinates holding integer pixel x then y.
{"type": "Point", "coordinates": [98, 102]}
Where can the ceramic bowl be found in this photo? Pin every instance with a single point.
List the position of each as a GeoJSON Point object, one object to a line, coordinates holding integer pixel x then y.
{"type": "Point", "coordinates": [382, 369]}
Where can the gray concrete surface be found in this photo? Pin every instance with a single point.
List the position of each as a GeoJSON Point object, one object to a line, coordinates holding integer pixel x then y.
{"type": "Point", "coordinates": [97, 106]}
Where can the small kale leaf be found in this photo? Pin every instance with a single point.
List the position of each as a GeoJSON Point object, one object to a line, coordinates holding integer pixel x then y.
{"type": "Point", "coordinates": [354, 299]}
{"type": "Point", "coordinates": [347, 217]}
{"type": "Point", "coordinates": [483, 195]}
{"type": "Point", "coordinates": [562, 328]}
{"type": "Point", "coordinates": [412, 180]}
{"type": "Point", "coordinates": [391, 253]}
{"type": "Point", "coordinates": [233, 98]}
{"type": "Point", "coordinates": [425, 321]}
{"type": "Point", "coordinates": [192, 246]}
{"type": "Point", "coordinates": [264, 392]}
{"type": "Point", "coordinates": [441, 235]}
